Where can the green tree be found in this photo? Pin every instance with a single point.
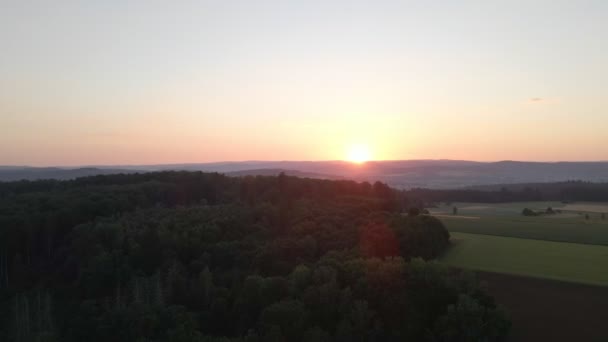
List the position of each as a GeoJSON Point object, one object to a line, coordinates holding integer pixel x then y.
{"type": "Point", "coordinates": [288, 315]}
{"type": "Point", "coordinates": [468, 320]}
{"type": "Point", "coordinates": [529, 212]}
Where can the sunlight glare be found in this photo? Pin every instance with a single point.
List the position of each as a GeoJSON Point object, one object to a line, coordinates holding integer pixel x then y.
{"type": "Point", "coordinates": [358, 154]}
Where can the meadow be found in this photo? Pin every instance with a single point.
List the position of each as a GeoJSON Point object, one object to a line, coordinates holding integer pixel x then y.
{"type": "Point", "coordinates": [505, 219]}
{"type": "Point", "coordinates": [529, 261]}
{"type": "Point", "coordinates": [535, 258]}
{"type": "Point", "coordinates": [571, 245]}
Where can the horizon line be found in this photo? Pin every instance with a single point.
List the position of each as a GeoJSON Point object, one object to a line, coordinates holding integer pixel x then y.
{"type": "Point", "coordinates": [292, 161]}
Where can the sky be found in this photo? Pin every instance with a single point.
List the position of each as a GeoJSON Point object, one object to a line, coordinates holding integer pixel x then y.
{"type": "Point", "coordinates": [147, 82]}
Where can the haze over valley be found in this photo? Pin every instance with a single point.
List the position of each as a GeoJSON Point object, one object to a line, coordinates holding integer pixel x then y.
{"type": "Point", "coordinates": [402, 174]}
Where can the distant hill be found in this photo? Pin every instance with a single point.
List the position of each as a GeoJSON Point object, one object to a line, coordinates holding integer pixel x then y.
{"type": "Point", "coordinates": [276, 172]}
{"type": "Point", "coordinates": [14, 173]}
{"type": "Point", "coordinates": [435, 174]}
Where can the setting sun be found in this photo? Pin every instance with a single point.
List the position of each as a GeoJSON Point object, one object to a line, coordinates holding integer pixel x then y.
{"type": "Point", "coordinates": [358, 154]}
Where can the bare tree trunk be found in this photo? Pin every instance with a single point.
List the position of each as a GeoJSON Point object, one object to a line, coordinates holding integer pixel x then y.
{"type": "Point", "coordinates": [3, 270]}
{"type": "Point", "coordinates": [6, 270]}
{"type": "Point", "coordinates": [49, 244]}
{"type": "Point", "coordinates": [38, 313]}
{"type": "Point", "coordinates": [28, 259]}
{"type": "Point", "coordinates": [26, 317]}
{"type": "Point", "coordinates": [17, 329]}
{"type": "Point", "coordinates": [45, 315]}
{"type": "Point", "coordinates": [49, 312]}
{"type": "Point", "coordinates": [158, 290]}
{"type": "Point", "coordinates": [136, 291]}
{"type": "Point", "coordinates": [117, 299]}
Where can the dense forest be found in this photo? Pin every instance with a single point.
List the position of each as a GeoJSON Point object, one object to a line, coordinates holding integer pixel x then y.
{"type": "Point", "coordinates": [561, 191]}
{"type": "Point", "coordinates": [190, 256]}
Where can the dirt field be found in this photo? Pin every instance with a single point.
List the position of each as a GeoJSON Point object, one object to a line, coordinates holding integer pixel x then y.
{"type": "Point", "coordinates": [547, 310]}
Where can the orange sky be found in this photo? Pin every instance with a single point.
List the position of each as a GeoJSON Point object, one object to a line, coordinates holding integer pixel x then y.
{"type": "Point", "coordinates": [106, 83]}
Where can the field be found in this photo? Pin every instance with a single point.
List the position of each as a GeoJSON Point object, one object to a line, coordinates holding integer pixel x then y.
{"type": "Point", "coordinates": [549, 266]}
{"type": "Point", "coordinates": [511, 208]}
{"type": "Point", "coordinates": [536, 258]}
{"type": "Point", "coordinates": [546, 310]}
{"type": "Point", "coordinates": [506, 220]}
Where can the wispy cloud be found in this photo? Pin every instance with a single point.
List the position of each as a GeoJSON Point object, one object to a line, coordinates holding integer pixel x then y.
{"type": "Point", "coordinates": [536, 99]}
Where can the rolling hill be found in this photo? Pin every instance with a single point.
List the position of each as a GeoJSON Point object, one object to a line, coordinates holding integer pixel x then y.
{"type": "Point", "coordinates": [398, 173]}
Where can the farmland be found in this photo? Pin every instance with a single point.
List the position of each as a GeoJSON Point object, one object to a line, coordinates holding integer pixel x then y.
{"type": "Point", "coordinates": [515, 208]}
{"type": "Point", "coordinates": [506, 220]}
{"type": "Point", "coordinates": [529, 261]}
{"type": "Point", "coordinates": [544, 259]}
{"type": "Point", "coordinates": [569, 311]}
{"type": "Point", "coordinates": [571, 245]}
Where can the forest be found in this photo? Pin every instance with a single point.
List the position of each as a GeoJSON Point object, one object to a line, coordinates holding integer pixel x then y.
{"type": "Point", "coordinates": [191, 256]}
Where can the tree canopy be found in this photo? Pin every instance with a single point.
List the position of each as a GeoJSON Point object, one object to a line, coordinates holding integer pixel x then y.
{"type": "Point", "coordinates": [180, 256]}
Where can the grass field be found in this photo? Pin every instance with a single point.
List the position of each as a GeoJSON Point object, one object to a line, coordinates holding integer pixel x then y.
{"type": "Point", "coordinates": [548, 266]}
{"type": "Point", "coordinates": [505, 219]}
{"type": "Point", "coordinates": [594, 209]}
{"type": "Point", "coordinates": [544, 259]}
{"type": "Point", "coordinates": [587, 207]}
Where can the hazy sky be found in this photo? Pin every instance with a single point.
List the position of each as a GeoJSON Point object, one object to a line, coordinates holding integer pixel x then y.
{"type": "Point", "coordinates": [130, 82]}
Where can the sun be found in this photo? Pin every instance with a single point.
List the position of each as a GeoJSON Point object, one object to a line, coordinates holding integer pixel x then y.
{"type": "Point", "coordinates": [358, 154]}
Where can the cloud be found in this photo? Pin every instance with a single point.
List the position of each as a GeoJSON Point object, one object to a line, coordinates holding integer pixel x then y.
{"type": "Point", "coordinates": [536, 99]}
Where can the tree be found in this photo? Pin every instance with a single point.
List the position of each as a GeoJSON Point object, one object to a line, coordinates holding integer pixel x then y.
{"type": "Point", "coordinates": [192, 256]}
{"type": "Point", "coordinates": [288, 315]}
{"type": "Point", "coordinates": [316, 334]}
{"type": "Point", "coordinates": [421, 236]}
{"type": "Point", "coordinates": [529, 212]}
{"type": "Point", "coordinates": [413, 211]}
{"type": "Point", "coordinates": [468, 320]}
{"type": "Point", "coordinates": [378, 240]}
{"type": "Point", "coordinates": [205, 282]}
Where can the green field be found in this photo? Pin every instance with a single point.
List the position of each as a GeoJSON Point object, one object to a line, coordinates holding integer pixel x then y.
{"type": "Point", "coordinates": [544, 259]}
{"type": "Point", "coordinates": [522, 256]}
{"type": "Point", "coordinates": [505, 219]}
{"type": "Point", "coordinates": [514, 208]}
